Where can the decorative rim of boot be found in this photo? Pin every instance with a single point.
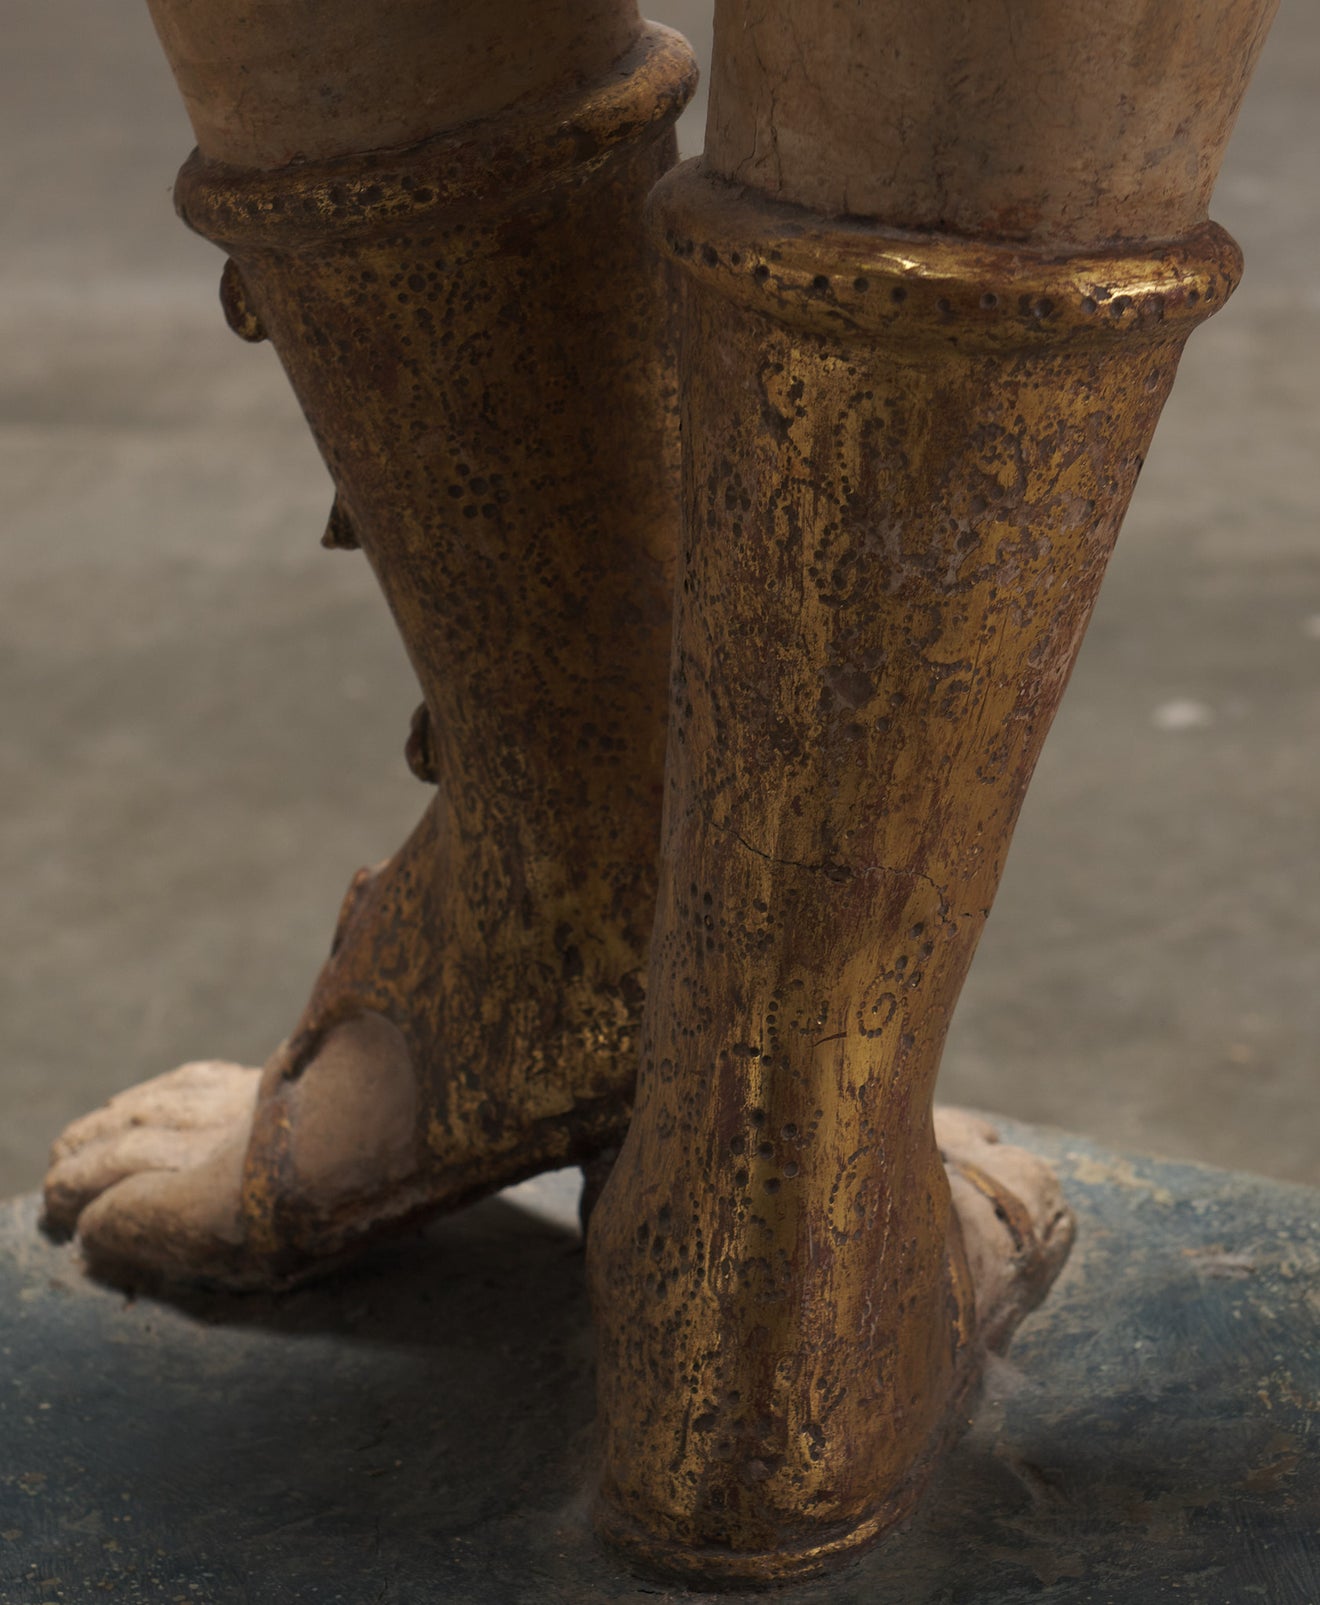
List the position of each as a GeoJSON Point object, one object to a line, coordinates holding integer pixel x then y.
{"type": "Point", "coordinates": [740, 1570]}
{"type": "Point", "coordinates": [849, 277]}
{"type": "Point", "coordinates": [1039, 1261]}
{"type": "Point", "coordinates": [496, 160]}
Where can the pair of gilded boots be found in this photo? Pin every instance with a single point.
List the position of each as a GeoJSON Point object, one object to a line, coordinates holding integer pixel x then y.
{"type": "Point", "coordinates": [727, 746]}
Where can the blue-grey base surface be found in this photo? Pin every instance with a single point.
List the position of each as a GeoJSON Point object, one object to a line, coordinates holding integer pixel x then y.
{"type": "Point", "coordinates": [420, 1429]}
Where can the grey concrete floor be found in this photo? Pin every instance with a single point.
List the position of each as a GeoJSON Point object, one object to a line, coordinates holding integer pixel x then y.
{"type": "Point", "coordinates": [204, 712]}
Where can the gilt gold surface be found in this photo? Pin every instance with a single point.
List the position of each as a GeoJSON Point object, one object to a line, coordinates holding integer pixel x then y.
{"type": "Point", "coordinates": [905, 463]}
{"type": "Point", "coordinates": [478, 332]}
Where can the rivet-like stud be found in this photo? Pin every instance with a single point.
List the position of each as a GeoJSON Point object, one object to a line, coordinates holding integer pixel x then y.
{"type": "Point", "coordinates": [238, 311]}
{"type": "Point", "coordinates": [340, 536]}
{"type": "Point", "coordinates": [420, 749]}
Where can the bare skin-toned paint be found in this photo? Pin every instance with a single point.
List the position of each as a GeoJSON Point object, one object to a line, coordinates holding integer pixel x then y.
{"type": "Point", "coordinates": [1050, 122]}
{"type": "Point", "coordinates": [906, 458]}
{"type": "Point", "coordinates": [280, 81]}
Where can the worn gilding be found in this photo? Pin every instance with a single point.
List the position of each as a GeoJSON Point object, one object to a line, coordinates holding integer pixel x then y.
{"type": "Point", "coordinates": [478, 331]}
{"type": "Point", "coordinates": [905, 464]}
{"type": "Point", "coordinates": [499, 162]}
{"type": "Point", "coordinates": [837, 278]}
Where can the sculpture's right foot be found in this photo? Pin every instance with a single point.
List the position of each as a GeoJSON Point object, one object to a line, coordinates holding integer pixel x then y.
{"type": "Point", "coordinates": [1011, 1239]}
{"type": "Point", "coordinates": [906, 456]}
{"type": "Point", "coordinates": [1015, 1225]}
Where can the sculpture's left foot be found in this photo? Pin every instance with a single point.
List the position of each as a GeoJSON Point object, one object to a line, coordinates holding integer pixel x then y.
{"type": "Point", "coordinates": [188, 1121]}
{"type": "Point", "coordinates": [217, 1175]}
{"type": "Point", "coordinates": [480, 339]}
{"type": "Point", "coordinates": [393, 1100]}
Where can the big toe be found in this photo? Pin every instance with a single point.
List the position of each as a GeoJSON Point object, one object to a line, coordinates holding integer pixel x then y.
{"type": "Point", "coordinates": [74, 1182]}
{"type": "Point", "coordinates": [160, 1226]}
{"type": "Point", "coordinates": [173, 1122]}
{"type": "Point", "coordinates": [1017, 1228]}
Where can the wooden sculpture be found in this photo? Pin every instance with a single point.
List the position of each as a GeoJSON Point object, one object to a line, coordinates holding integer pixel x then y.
{"type": "Point", "coordinates": [909, 439]}
{"type": "Point", "coordinates": [932, 280]}
{"type": "Point", "coordinates": [478, 331]}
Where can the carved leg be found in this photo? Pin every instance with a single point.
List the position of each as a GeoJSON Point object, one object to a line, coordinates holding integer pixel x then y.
{"type": "Point", "coordinates": [476, 327]}
{"type": "Point", "coordinates": [906, 458]}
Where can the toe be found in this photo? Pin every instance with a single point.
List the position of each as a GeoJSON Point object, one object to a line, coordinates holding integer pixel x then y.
{"type": "Point", "coordinates": [171, 1122]}
{"type": "Point", "coordinates": [1016, 1225]}
{"type": "Point", "coordinates": [180, 1225]}
{"type": "Point", "coordinates": [206, 1093]}
{"type": "Point", "coordinates": [171, 1181]}
{"type": "Point", "coordinates": [87, 1172]}
{"type": "Point", "coordinates": [961, 1128]}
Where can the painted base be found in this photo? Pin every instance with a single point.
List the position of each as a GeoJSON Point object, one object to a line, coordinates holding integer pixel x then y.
{"type": "Point", "coordinates": [419, 1431]}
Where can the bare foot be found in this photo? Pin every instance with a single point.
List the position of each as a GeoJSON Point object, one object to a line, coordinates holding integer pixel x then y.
{"type": "Point", "coordinates": [418, 1079]}
{"type": "Point", "coordinates": [173, 1123]}
{"type": "Point", "coordinates": [1016, 1227]}
{"type": "Point", "coordinates": [156, 1183]}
